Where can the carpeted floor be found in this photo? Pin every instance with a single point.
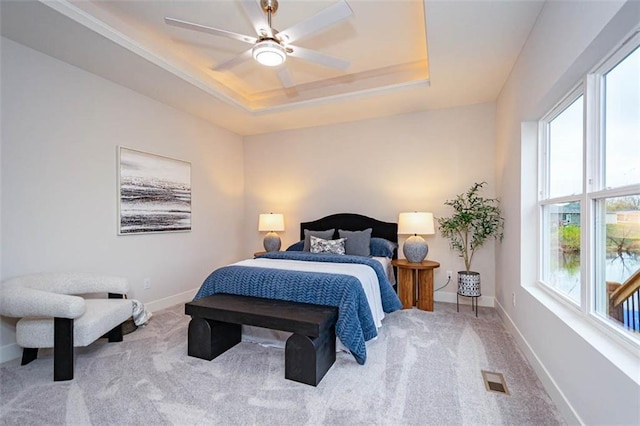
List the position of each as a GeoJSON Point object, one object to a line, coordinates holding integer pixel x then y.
{"type": "Point", "coordinates": [424, 368]}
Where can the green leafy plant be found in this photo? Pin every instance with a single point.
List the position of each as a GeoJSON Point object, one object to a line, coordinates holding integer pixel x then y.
{"type": "Point", "coordinates": [570, 239]}
{"type": "Point", "coordinates": [475, 219]}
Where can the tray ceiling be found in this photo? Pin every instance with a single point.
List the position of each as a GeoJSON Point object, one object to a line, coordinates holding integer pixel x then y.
{"type": "Point", "coordinates": [404, 55]}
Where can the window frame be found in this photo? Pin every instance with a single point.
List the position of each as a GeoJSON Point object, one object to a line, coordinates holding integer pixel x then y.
{"type": "Point", "coordinates": [544, 198]}
{"type": "Point", "coordinates": [592, 88]}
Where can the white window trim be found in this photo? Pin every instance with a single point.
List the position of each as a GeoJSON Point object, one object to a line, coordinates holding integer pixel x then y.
{"type": "Point", "coordinates": [544, 189]}
{"type": "Point", "coordinates": [543, 131]}
{"type": "Point", "coordinates": [590, 87]}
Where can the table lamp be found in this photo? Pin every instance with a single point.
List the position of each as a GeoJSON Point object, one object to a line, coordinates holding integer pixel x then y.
{"type": "Point", "coordinates": [270, 223]}
{"type": "Point", "coordinates": [415, 249]}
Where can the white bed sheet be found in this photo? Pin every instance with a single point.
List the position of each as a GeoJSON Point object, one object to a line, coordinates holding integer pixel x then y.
{"type": "Point", "coordinates": [386, 264]}
{"type": "Point", "coordinates": [366, 275]}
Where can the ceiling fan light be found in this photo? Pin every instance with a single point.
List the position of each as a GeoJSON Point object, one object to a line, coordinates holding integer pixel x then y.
{"type": "Point", "coordinates": [269, 53]}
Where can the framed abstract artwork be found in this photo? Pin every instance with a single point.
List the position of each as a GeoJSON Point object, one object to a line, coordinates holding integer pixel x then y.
{"type": "Point", "coordinates": [154, 193]}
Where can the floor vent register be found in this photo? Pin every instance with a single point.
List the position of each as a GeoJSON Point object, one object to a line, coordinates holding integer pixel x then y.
{"type": "Point", "coordinates": [494, 382]}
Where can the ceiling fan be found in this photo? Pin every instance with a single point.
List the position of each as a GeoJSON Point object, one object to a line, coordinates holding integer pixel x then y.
{"type": "Point", "coordinates": [272, 47]}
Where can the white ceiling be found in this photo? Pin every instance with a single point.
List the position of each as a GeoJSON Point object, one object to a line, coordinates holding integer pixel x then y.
{"type": "Point", "coordinates": [405, 55]}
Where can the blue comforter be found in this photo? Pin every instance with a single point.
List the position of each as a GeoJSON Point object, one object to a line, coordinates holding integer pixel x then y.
{"type": "Point", "coordinates": [355, 323]}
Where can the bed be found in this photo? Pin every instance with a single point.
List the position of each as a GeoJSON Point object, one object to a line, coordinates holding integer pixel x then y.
{"type": "Point", "coordinates": [387, 231]}
{"type": "Point", "coordinates": [360, 286]}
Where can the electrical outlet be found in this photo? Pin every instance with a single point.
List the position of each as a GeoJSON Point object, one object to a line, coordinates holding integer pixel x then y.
{"type": "Point", "coordinates": [146, 283]}
{"type": "Point", "coordinates": [513, 299]}
{"type": "Point", "coordinates": [449, 274]}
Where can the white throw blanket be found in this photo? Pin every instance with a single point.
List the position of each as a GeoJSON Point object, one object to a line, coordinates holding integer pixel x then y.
{"type": "Point", "coordinates": [140, 314]}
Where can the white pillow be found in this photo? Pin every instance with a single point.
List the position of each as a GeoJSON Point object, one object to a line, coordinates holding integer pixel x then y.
{"type": "Point", "coordinates": [319, 245]}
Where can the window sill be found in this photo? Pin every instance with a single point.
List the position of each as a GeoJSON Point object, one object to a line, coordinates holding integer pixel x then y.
{"type": "Point", "coordinates": [619, 350]}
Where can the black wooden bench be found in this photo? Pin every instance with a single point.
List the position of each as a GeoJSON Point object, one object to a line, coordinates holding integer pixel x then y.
{"type": "Point", "coordinates": [216, 322]}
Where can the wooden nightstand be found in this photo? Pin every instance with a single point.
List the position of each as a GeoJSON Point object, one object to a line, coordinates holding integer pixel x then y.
{"type": "Point", "coordinates": [410, 273]}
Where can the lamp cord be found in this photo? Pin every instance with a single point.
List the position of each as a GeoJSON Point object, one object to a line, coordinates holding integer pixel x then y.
{"type": "Point", "coordinates": [445, 284]}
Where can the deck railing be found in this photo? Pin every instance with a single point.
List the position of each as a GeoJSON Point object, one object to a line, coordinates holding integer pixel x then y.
{"type": "Point", "coordinates": [624, 301]}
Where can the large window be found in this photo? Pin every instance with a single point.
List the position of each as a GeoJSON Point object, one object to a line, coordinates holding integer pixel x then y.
{"type": "Point", "coordinates": [590, 194]}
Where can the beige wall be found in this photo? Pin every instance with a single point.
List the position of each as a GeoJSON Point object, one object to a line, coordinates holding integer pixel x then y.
{"type": "Point", "coordinates": [591, 377]}
{"type": "Point", "coordinates": [60, 130]}
{"type": "Point", "coordinates": [61, 126]}
{"type": "Point", "coordinates": [379, 168]}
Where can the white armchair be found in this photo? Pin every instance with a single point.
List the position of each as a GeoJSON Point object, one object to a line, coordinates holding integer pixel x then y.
{"type": "Point", "coordinates": [52, 316]}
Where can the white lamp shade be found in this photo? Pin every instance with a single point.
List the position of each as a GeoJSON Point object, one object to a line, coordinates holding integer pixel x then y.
{"type": "Point", "coordinates": [418, 223]}
{"type": "Point", "coordinates": [271, 222]}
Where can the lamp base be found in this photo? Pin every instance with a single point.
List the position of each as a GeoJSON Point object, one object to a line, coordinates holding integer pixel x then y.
{"type": "Point", "coordinates": [272, 242]}
{"type": "Point", "coordinates": [415, 249]}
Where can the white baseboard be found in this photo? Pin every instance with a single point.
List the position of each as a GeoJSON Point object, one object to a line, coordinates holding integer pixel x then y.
{"type": "Point", "coordinates": [488, 301]}
{"type": "Point", "coordinates": [167, 302]}
{"type": "Point", "coordinates": [550, 385]}
{"type": "Point", "coordinates": [12, 351]}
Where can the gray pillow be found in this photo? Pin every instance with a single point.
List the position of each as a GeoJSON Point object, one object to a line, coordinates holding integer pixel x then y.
{"type": "Point", "coordinates": [357, 243]}
{"type": "Point", "coordinates": [325, 235]}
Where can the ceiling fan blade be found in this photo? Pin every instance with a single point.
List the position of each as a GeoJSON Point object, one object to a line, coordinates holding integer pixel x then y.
{"type": "Point", "coordinates": [323, 19]}
{"type": "Point", "coordinates": [257, 17]}
{"type": "Point", "coordinates": [318, 58]}
{"type": "Point", "coordinates": [210, 30]}
{"type": "Point", "coordinates": [285, 77]}
{"type": "Point", "coordinates": [246, 55]}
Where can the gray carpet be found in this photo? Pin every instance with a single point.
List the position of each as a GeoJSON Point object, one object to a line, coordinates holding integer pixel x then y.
{"type": "Point", "coordinates": [424, 368]}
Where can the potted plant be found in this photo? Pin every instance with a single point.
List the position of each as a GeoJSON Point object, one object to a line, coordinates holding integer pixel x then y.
{"type": "Point", "coordinates": [475, 219]}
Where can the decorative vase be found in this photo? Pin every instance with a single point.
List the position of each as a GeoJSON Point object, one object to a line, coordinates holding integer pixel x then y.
{"type": "Point", "coordinates": [469, 283]}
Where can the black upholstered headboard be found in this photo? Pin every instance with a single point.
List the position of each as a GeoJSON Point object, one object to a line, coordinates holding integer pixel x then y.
{"type": "Point", "coordinates": [353, 222]}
